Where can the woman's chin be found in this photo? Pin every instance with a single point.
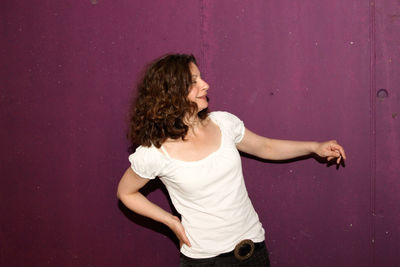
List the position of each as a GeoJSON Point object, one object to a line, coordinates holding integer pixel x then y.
{"type": "Point", "coordinates": [201, 107]}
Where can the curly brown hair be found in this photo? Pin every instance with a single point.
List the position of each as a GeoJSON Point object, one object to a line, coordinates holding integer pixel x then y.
{"type": "Point", "coordinates": [161, 104]}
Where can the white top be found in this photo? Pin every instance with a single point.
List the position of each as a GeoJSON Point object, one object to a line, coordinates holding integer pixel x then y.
{"type": "Point", "coordinates": [210, 193]}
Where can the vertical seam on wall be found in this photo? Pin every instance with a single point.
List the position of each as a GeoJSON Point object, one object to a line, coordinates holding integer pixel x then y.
{"type": "Point", "coordinates": [372, 35]}
{"type": "Point", "coordinates": [203, 32]}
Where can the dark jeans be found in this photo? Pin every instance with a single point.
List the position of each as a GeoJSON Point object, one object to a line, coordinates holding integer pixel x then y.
{"type": "Point", "coordinates": [258, 259]}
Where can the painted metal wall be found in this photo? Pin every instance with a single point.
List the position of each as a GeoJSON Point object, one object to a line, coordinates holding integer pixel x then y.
{"type": "Point", "coordinates": [386, 122]}
{"type": "Point", "coordinates": [290, 69]}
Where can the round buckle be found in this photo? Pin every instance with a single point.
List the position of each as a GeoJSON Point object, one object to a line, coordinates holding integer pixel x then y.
{"type": "Point", "coordinates": [244, 249]}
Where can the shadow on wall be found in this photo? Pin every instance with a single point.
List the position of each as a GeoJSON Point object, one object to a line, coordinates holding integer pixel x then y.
{"type": "Point", "coordinates": [313, 156]}
{"type": "Point", "coordinates": [143, 221]}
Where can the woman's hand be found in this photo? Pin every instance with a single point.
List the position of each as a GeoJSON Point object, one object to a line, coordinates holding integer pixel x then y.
{"type": "Point", "coordinates": [176, 226]}
{"type": "Point", "coordinates": [330, 150]}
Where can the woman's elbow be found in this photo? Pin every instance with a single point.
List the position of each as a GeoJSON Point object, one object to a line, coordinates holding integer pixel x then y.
{"type": "Point", "coordinates": [119, 193]}
{"type": "Point", "coordinates": [122, 196]}
{"type": "Point", "coordinates": [120, 189]}
{"type": "Point", "coordinates": [264, 150]}
{"type": "Point", "coordinates": [129, 184]}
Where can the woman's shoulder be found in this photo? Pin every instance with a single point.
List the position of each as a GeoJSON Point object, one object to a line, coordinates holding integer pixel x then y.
{"type": "Point", "coordinates": [231, 124]}
{"type": "Point", "coordinates": [147, 162]}
{"type": "Point", "coordinates": [146, 152]}
{"type": "Point", "coordinates": [145, 149]}
{"type": "Point", "coordinates": [223, 116]}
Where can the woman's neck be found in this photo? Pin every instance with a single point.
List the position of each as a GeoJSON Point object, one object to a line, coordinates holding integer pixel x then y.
{"type": "Point", "coordinates": [195, 124]}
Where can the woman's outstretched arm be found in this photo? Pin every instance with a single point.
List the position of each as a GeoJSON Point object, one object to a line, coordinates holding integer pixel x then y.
{"type": "Point", "coordinates": [128, 193]}
{"type": "Point", "coordinates": [275, 149]}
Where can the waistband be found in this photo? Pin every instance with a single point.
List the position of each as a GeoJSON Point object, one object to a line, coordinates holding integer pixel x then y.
{"type": "Point", "coordinates": [244, 249]}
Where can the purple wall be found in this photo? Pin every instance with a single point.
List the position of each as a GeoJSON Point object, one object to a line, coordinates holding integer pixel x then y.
{"type": "Point", "coordinates": [386, 186]}
{"type": "Point", "coordinates": [290, 69]}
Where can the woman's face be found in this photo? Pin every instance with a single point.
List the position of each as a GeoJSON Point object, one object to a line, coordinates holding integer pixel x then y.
{"type": "Point", "coordinates": [198, 89]}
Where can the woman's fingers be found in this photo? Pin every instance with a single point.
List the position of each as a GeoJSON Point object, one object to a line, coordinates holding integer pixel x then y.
{"type": "Point", "coordinates": [182, 236]}
{"type": "Point", "coordinates": [185, 240]}
{"type": "Point", "coordinates": [180, 233]}
{"type": "Point", "coordinates": [339, 149]}
{"type": "Point", "coordinates": [333, 151]}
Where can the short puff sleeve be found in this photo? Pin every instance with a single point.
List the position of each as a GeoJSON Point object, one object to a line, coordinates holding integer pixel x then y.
{"type": "Point", "coordinates": [145, 162]}
{"type": "Point", "coordinates": [232, 124]}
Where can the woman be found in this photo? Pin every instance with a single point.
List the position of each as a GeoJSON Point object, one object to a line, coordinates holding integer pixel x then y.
{"type": "Point", "coordinates": [195, 154]}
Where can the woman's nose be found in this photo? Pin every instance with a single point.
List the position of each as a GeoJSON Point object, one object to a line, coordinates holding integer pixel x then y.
{"type": "Point", "coordinates": [206, 86]}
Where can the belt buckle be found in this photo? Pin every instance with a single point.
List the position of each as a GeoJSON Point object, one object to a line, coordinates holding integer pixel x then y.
{"type": "Point", "coordinates": [244, 249]}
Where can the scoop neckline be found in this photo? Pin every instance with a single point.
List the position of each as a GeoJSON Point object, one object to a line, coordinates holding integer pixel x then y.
{"type": "Point", "coordinates": [206, 157]}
